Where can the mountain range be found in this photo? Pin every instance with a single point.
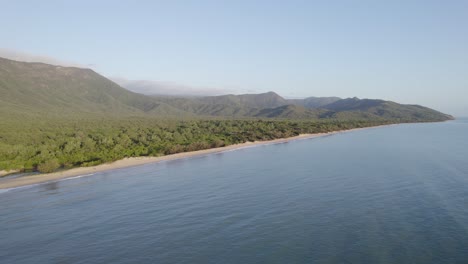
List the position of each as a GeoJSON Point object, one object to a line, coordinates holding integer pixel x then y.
{"type": "Point", "coordinates": [33, 89]}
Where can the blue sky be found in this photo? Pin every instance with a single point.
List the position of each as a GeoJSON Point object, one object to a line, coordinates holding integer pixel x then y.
{"type": "Point", "coordinates": [406, 51]}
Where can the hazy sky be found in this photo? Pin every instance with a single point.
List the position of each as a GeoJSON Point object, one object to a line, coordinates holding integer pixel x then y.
{"type": "Point", "coordinates": [406, 51]}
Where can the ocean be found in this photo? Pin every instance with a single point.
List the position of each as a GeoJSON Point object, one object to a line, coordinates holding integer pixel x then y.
{"type": "Point", "coordinates": [394, 194]}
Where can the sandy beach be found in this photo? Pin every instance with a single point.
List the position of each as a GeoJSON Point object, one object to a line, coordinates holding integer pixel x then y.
{"type": "Point", "coordinates": [130, 162]}
{"type": "Point", "coordinates": [5, 172]}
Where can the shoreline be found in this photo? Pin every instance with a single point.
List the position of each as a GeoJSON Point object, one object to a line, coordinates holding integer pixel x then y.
{"type": "Point", "coordinates": [136, 161]}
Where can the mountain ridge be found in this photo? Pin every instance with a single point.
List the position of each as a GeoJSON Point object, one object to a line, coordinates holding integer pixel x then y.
{"type": "Point", "coordinates": [42, 88]}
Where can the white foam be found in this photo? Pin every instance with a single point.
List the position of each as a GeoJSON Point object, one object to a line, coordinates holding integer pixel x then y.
{"type": "Point", "coordinates": [74, 177]}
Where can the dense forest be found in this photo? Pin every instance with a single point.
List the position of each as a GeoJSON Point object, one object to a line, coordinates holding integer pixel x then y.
{"type": "Point", "coordinates": [47, 145]}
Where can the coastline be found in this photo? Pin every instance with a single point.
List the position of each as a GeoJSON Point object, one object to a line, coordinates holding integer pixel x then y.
{"type": "Point", "coordinates": [136, 161]}
{"type": "Point", "coordinates": [7, 172]}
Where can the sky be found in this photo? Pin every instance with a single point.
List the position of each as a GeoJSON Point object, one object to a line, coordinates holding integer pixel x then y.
{"type": "Point", "coordinates": [406, 51]}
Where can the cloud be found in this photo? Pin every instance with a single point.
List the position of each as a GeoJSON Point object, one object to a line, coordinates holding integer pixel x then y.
{"type": "Point", "coordinates": [167, 88]}
{"type": "Point", "coordinates": [27, 57]}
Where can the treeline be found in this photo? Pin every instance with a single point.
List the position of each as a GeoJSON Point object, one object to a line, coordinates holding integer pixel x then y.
{"type": "Point", "coordinates": [47, 145]}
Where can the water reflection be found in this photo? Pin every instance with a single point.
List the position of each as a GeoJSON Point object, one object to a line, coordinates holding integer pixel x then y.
{"type": "Point", "coordinates": [50, 187]}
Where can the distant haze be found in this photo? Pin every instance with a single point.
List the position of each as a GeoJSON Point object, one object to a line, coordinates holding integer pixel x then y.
{"type": "Point", "coordinates": [27, 57]}
{"type": "Point", "coordinates": [167, 88]}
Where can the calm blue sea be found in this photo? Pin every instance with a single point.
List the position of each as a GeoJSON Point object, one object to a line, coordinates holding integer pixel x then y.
{"type": "Point", "coordinates": [396, 194]}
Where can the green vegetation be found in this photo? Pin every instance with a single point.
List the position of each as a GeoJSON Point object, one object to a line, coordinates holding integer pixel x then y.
{"type": "Point", "coordinates": [45, 90]}
{"type": "Point", "coordinates": [48, 166]}
{"type": "Point", "coordinates": [42, 89]}
{"type": "Point", "coordinates": [48, 144]}
{"type": "Point", "coordinates": [60, 117]}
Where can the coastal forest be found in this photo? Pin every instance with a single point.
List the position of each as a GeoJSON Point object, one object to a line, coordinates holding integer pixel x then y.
{"type": "Point", "coordinates": [55, 117]}
{"type": "Point", "coordinates": [51, 144]}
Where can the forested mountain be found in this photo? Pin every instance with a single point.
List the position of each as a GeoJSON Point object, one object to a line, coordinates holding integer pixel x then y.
{"type": "Point", "coordinates": [265, 100]}
{"type": "Point", "coordinates": [314, 102]}
{"type": "Point", "coordinates": [245, 105]}
{"type": "Point", "coordinates": [271, 105]}
{"type": "Point", "coordinates": [38, 88]}
{"type": "Point", "coordinates": [366, 108]}
{"type": "Point", "coordinates": [61, 117]}
{"type": "Point", "coordinates": [291, 112]}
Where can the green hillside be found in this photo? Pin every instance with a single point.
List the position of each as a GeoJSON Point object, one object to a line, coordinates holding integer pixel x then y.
{"type": "Point", "coordinates": [37, 88]}
{"type": "Point", "coordinates": [314, 102]}
{"type": "Point", "coordinates": [33, 89]}
{"type": "Point", "coordinates": [61, 117]}
{"type": "Point", "coordinates": [264, 100]}
{"type": "Point", "coordinates": [290, 112]}
{"type": "Point", "coordinates": [373, 108]}
{"type": "Point", "coordinates": [246, 105]}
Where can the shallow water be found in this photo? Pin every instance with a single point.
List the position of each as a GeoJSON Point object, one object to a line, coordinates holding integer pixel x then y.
{"type": "Point", "coordinates": [396, 194]}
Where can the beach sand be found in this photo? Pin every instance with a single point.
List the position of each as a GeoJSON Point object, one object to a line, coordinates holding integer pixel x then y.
{"type": "Point", "coordinates": [5, 172]}
{"type": "Point", "coordinates": [130, 162]}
